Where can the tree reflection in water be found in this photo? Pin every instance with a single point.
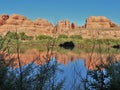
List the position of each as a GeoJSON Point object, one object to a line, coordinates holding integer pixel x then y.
{"type": "Point", "coordinates": [66, 72]}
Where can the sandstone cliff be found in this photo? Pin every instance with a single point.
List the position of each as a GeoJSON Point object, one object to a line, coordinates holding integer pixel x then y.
{"type": "Point", "coordinates": [107, 29]}
{"type": "Point", "coordinates": [23, 24]}
{"type": "Point", "coordinates": [3, 18]}
{"type": "Point", "coordinates": [65, 25]}
{"type": "Point", "coordinates": [96, 22]}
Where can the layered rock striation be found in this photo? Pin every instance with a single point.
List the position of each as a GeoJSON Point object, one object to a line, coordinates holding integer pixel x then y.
{"type": "Point", "coordinates": [65, 25]}
{"type": "Point", "coordinates": [19, 23]}
{"type": "Point", "coordinates": [101, 22]}
{"type": "Point", "coordinates": [22, 24]}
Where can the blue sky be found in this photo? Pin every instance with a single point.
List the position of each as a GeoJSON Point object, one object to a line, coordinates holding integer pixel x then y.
{"type": "Point", "coordinates": [54, 10]}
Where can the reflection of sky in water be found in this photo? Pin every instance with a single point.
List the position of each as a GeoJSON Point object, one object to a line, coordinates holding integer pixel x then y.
{"type": "Point", "coordinates": [72, 73]}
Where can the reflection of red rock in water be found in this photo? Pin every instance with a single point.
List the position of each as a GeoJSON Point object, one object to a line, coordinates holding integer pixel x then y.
{"type": "Point", "coordinates": [94, 60]}
{"type": "Point", "coordinates": [91, 61]}
{"type": "Point", "coordinates": [64, 58]}
{"type": "Point", "coordinates": [40, 57]}
{"type": "Point", "coordinates": [31, 56]}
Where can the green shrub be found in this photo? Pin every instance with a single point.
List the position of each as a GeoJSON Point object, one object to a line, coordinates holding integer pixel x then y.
{"type": "Point", "coordinates": [76, 36]}
{"type": "Point", "coordinates": [23, 36]}
{"type": "Point", "coordinates": [40, 37]}
{"type": "Point", "coordinates": [62, 36]}
{"type": "Point", "coordinates": [29, 37]}
{"type": "Point", "coordinates": [11, 35]}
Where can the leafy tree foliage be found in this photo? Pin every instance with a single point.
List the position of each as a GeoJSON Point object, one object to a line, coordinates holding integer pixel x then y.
{"type": "Point", "coordinates": [41, 37]}
{"type": "Point", "coordinates": [15, 35]}
{"type": "Point", "coordinates": [107, 78]}
{"type": "Point", "coordinates": [62, 36]}
{"type": "Point", "coordinates": [11, 35]}
{"type": "Point", "coordinates": [76, 36]}
{"type": "Point", "coordinates": [23, 36]}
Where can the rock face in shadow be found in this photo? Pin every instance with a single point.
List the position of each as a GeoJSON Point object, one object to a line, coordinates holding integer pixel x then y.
{"type": "Point", "coordinates": [74, 25]}
{"type": "Point", "coordinates": [95, 22]}
{"type": "Point", "coordinates": [116, 46]}
{"type": "Point", "coordinates": [3, 18]}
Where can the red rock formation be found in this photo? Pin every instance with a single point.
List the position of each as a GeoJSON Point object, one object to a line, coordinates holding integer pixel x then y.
{"type": "Point", "coordinates": [40, 26]}
{"type": "Point", "coordinates": [15, 19]}
{"type": "Point", "coordinates": [63, 25]}
{"type": "Point", "coordinates": [3, 18]}
{"type": "Point", "coordinates": [67, 24]}
{"type": "Point", "coordinates": [42, 22]}
{"type": "Point", "coordinates": [99, 22]}
{"type": "Point", "coordinates": [18, 17]}
{"type": "Point", "coordinates": [74, 26]}
{"type": "Point", "coordinates": [28, 23]}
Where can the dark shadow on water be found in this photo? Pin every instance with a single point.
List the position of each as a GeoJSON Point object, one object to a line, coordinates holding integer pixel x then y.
{"type": "Point", "coordinates": [116, 46]}
{"type": "Point", "coordinates": [67, 45]}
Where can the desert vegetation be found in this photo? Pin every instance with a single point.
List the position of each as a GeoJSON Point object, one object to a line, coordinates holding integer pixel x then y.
{"type": "Point", "coordinates": [31, 76]}
{"type": "Point", "coordinates": [44, 76]}
{"type": "Point", "coordinates": [40, 42]}
{"type": "Point", "coordinates": [21, 36]}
